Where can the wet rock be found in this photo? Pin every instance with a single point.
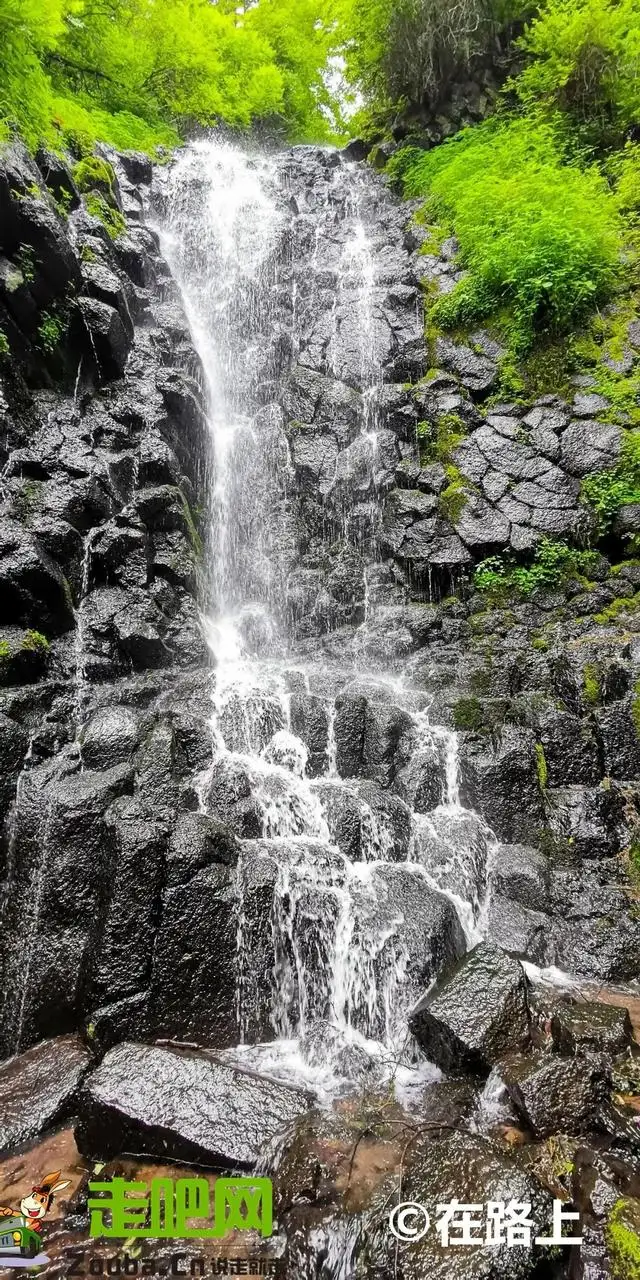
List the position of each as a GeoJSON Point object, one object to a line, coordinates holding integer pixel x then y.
{"type": "Point", "coordinates": [231, 799]}
{"type": "Point", "coordinates": [477, 373]}
{"type": "Point", "coordinates": [110, 737]}
{"type": "Point", "coordinates": [309, 722]}
{"type": "Point", "coordinates": [501, 782]}
{"type": "Point", "coordinates": [590, 1025]}
{"type": "Point", "coordinates": [181, 1106]}
{"type": "Point", "coordinates": [192, 990]}
{"type": "Point", "coordinates": [57, 177]}
{"type": "Point", "coordinates": [107, 335]}
{"type": "Point", "coordinates": [480, 526]}
{"type": "Point", "coordinates": [39, 1089]}
{"type": "Point", "coordinates": [590, 446]}
{"type": "Point", "coordinates": [468, 1169]}
{"type": "Point", "coordinates": [474, 1014]}
{"type": "Point", "coordinates": [522, 873]}
{"type": "Point", "coordinates": [586, 816]}
{"type": "Point", "coordinates": [559, 1095]}
{"type": "Point", "coordinates": [522, 931]}
{"type": "Point", "coordinates": [619, 739]}
{"type": "Point", "coordinates": [570, 749]}
{"type": "Point", "coordinates": [32, 588]}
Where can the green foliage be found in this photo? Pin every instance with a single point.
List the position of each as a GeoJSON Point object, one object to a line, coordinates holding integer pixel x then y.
{"type": "Point", "coordinates": [29, 29]}
{"type": "Point", "coordinates": [468, 713]}
{"type": "Point", "coordinates": [134, 72]}
{"type": "Point", "coordinates": [607, 491]}
{"type": "Point", "coordinates": [50, 331]}
{"type": "Point", "coordinates": [411, 50]}
{"type": "Point", "coordinates": [436, 441]}
{"type": "Point", "coordinates": [541, 766]}
{"type": "Point", "coordinates": [110, 218]}
{"type": "Point", "coordinates": [554, 562]}
{"type": "Point", "coordinates": [540, 237]}
{"type": "Point", "coordinates": [584, 61]}
{"type": "Point", "coordinates": [4, 344]}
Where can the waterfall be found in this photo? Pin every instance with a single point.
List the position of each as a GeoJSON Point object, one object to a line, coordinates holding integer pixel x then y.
{"type": "Point", "coordinates": [253, 256]}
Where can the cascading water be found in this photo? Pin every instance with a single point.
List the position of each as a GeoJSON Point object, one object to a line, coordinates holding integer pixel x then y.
{"type": "Point", "coordinates": [254, 258]}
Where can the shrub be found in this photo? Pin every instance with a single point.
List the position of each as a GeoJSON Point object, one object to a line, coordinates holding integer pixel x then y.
{"type": "Point", "coordinates": [584, 60]}
{"type": "Point", "coordinates": [607, 491]}
{"type": "Point", "coordinates": [50, 331]}
{"type": "Point", "coordinates": [553, 563]}
{"type": "Point", "coordinates": [540, 237]}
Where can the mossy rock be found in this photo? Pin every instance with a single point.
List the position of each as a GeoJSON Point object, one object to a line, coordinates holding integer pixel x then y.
{"type": "Point", "coordinates": [623, 1240]}
{"type": "Point", "coordinates": [24, 655]}
{"type": "Point", "coordinates": [95, 174]}
{"type": "Point", "coordinates": [468, 713]}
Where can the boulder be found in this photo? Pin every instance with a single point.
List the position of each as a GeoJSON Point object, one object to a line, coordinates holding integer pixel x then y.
{"type": "Point", "coordinates": [462, 1168]}
{"type": "Point", "coordinates": [107, 337]}
{"type": "Point", "coordinates": [587, 818]}
{"type": "Point", "coordinates": [39, 1089]}
{"type": "Point", "coordinates": [521, 873]}
{"type": "Point", "coordinates": [590, 446]}
{"type": "Point", "coordinates": [473, 1015]}
{"type": "Point", "coordinates": [553, 1094]}
{"type": "Point", "coordinates": [110, 737]}
{"type": "Point", "coordinates": [33, 591]}
{"type": "Point", "coordinates": [604, 1028]}
{"type": "Point", "coordinates": [500, 781]}
{"type": "Point", "coordinates": [181, 1106]}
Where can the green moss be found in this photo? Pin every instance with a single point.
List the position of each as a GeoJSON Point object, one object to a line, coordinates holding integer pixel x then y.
{"type": "Point", "coordinates": [541, 766]}
{"type": "Point", "coordinates": [35, 642]}
{"type": "Point", "coordinates": [468, 713]}
{"type": "Point", "coordinates": [436, 442]}
{"type": "Point", "coordinates": [95, 174]}
{"type": "Point", "coordinates": [540, 642]}
{"type": "Point", "coordinates": [635, 707]}
{"type": "Point", "coordinates": [5, 650]}
{"type": "Point", "coordinates": [591, 684]}
{"type": "Point", "coordinates": [453, 499]}
{"type": "Point", "coordinates": [87, 254]}
{"type": "Point", "coordinates": [623, 1240]}
{"type": "Point", "coordinates": [110, 218]}
{"type": "Point", "coordinates": [4, 344]}
{"type": "Point", "coordinates": [624, 604]}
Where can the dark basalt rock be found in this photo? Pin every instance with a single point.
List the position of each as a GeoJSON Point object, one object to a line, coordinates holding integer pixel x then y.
{"type": "Point", "coordinates": [501, 782]}
{"type": "Point", "coordinates": [601, 1027]}
{"type": "Point", "coordinates": [39, 1090]}
{"type": "Point", "coordinates": [471, 1170]}
{"type": "Point", "coordinates": [107, 335]}
{"type": "Point", "coordinates": [473, 1015]}
{"type": "Point", "coordinates": [559, 1095]}
{"type": "Point", "coordinates": [146, 1100]}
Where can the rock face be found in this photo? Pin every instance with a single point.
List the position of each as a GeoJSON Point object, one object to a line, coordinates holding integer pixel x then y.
{"type": "Point", "coordinates": [467, 1021]}
{"type": "Point", "coordinates": [298, 841]}
{"type": "Point", "coordinates": [40, 1089]}
{"type": "Point", "coordinates": [164, 1103]}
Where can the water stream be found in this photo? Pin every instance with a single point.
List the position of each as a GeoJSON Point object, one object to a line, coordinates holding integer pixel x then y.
{"type": "Point", "coordinates": [254, 257]}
